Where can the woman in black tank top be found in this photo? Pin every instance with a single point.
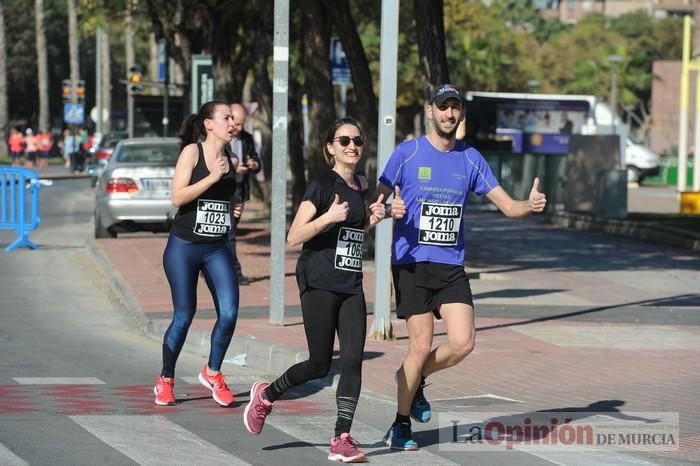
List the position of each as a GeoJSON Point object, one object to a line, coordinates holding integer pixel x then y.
{"type": "Point", "coordinates": [203, 185]}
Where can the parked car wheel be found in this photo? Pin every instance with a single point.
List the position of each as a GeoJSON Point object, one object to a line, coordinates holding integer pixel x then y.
{"type": "Point", "coordinates": [100, 230]}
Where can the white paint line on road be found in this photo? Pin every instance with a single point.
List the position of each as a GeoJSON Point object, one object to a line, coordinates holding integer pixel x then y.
{"type": "Point", "coordinates": [587, 458]}
{"type": "Point", "coordinates": [231, 379]}
{"type": "Point", "coordinates": [7, 458]}
{"type": "Point", "coordinates": [58, 381]}
{"type": "Point", "coordinates": [153, 440]}
{"type": "Point", "coordinates": [317, 431]}
{"type": "Point", "coordinates": [479, 397]}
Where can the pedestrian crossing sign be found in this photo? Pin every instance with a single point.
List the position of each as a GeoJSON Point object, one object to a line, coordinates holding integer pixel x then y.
{"type": "Point", "coordinates": [74, 113]}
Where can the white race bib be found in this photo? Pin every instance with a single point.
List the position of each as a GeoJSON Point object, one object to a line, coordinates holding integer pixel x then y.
{"type": "Point", "coordinates": [213, 218]}
{"type": "Point", "coordinates": [439, 224]}
{"type": "Point", "coordinates": [348, 249]}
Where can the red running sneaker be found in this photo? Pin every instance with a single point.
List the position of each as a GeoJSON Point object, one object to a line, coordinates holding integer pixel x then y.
{"type": "Point", "coordinates": [345, 449]}
{"type": "Point", "coordinates": [217, 385]}
{"type": "Point", "coordinates": [257, 408]}
{"type": "Point", "coordinates": [164, 391]}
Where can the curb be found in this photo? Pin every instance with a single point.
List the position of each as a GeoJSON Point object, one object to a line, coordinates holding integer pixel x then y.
{"type": "Point", "coordinates": [645, 231]}
{"type": "Point", "coordinates": [268, 357]}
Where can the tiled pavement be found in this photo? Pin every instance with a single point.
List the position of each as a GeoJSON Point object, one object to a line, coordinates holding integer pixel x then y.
{"type": "Point", "coordinates": [603, 361]}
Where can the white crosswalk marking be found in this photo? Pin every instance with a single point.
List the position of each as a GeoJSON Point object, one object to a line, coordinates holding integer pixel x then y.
{"type": "Point", "coordinates": [245, 380]}
{"type": "Point", "coordinates": [152, 440]}
{"type": "Point", "coordinates": [588, 458]}
{"type": "Point", "coordinates": [58, 381]}
{"type": "Point", "coordinates": [7, 458]}
{"type": "Point", "coordinates": [317, 430]}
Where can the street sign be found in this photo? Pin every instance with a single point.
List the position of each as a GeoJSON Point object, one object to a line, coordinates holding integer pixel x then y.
{"type": "Point", "coordinates": [202, 81]}
{"type": "Point", "coordinates": [94, 114]}
{"type": "Point", "coordinates": [162, 57]}
{"type": "Point", "coordinates": [74, 113]}
{"type": "Point", "coordinates": [340, 70]}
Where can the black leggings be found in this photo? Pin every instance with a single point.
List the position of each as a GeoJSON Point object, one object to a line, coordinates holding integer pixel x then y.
{"type": "Point", "coordinates": [325, 312]}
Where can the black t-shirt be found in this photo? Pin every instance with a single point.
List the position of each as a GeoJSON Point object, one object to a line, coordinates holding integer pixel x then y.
{"type": "Point", "coordinates": [332, 260]}
{"type": "Point", "coordinates": [207, 218]}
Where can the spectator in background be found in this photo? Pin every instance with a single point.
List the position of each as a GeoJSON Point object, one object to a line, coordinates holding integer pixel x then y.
{"type": "Point", "coordinates": [242, 148]}
{"type": "Point", "coordinates": [69, 147]}
{"type": "Point", "coordinates": [31, 147]}
{"type": "Point", "coordinates": [45, 141]}
{"type": "Point", "coordinates": [16, 144]}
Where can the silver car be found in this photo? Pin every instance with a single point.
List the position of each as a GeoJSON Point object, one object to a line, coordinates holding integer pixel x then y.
{"type": "Point", "coordinates": [133, 192]}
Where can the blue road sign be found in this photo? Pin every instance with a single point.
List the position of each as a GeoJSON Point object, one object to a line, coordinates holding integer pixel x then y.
{"type": "Point", "coordinates": [74, 113]}
{"type": "Point", "coordinates": [340, 70]}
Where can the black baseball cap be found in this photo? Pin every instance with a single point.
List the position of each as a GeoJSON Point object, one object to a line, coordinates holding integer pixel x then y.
{"type": "Point", "coordinates": [442, 92]}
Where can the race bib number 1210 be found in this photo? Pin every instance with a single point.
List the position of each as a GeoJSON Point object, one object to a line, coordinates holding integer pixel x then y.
{"type": "Point", "coordinates": [439, 224]}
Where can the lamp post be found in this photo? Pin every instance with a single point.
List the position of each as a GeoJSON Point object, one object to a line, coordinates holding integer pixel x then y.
{"type": "Point", "coordinates": [613, 60]}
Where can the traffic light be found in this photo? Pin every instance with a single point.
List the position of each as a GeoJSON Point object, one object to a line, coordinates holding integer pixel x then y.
{"type": "Point", "coordinates": [67, 91]}
{"type": "Point", "coordinates": [80, 89]}
{"type": "Point", "coordinates": [134, 79]}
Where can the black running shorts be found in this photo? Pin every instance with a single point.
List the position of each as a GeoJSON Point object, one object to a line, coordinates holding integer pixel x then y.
{"type": "Point", "coordinates": [425, 286]}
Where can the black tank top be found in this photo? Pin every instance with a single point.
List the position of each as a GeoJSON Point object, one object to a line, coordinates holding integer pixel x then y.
{"type": "Point", "coordinates": [332, 260]}
{"type": "Point", "coordinates": [208, 217]}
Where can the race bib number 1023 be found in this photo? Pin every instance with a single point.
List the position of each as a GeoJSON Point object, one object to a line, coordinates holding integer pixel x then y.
{"type": "Point", "coordinates": [439, 224]}
{"type": "Point", "coordinates": [213, 218]}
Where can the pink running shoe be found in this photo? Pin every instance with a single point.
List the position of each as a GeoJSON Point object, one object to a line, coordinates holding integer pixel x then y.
{"type": "Point", "coordinates": [345, 449]}
{"type": "Point", "coordinates": [164, 391]}
{"type": "Point", "coordinates": [217, 385]}
{"type": "Point", "coordinates": [257, 408]}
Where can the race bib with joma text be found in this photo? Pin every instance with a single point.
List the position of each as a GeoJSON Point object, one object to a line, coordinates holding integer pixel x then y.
{"type": "Point", "coordinates": [439, 224]}
{"type": "Point", "coordinates": [213, 218]}
{"type": "Point", "coordinates": [348, 250]}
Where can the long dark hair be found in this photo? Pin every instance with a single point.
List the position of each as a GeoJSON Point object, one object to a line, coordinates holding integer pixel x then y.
{"type": "Point", "coordinates": [330, 136]}
{"type": "Point", "coordinates": [192, 129]}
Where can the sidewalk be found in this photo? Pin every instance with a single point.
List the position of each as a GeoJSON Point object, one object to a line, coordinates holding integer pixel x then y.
{"type": "Point", "coordinates": [566, 320]}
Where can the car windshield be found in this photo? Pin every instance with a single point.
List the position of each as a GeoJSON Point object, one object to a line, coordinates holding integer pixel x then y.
{"type": "Point", "coordinates": [149, 153]}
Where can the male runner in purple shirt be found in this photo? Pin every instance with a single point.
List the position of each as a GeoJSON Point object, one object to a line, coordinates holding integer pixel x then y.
{"type": "Point", "coordinates": [433, 176]}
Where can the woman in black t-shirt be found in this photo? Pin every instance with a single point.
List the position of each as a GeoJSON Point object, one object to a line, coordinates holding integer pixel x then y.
{"type": "Point", "coordinates": [203, 184]}
{"type": "Point", "coordinates": [331, 223]}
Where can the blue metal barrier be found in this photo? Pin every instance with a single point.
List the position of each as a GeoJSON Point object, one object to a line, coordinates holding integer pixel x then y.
{"type": "Point", "coordinates": [14, 182]}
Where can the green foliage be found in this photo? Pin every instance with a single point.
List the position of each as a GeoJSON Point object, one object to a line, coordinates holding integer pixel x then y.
{"type": "Point", "coordinates": [484, 53]}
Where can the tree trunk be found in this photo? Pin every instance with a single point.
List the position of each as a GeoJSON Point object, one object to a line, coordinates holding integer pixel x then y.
{"type": "Point", "coordinates": [318, 79]}
{"type": "Point", "coordinates": [106, 80]}
{"type": "Point", "coordinates": [73, 50]}
{"type": "Point", "coordinates": [262, 93]}
{"type": "Point", "coordinates": [296, 145]}
{"type": "Point", "coordinates": [4, 123]}
{"type": "Point", "coordinates": [430, 35]}
{"type": "Point", "coordinates": [42, 66]}
{"type": "Point", "coordinates": [366, 100]}
{"type": "Point", "coordinates": [128, 36]}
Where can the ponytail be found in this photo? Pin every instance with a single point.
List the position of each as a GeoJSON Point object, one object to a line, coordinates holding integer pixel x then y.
{"type": "Point", "coordinates": [192, 129]}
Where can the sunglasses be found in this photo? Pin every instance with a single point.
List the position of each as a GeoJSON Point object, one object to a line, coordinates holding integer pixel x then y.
{"type": "Point", "coordinates": [345, 140]}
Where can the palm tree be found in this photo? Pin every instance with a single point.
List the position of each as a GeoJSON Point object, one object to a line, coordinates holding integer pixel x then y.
{"type": "Point", "coordinates": [106, 79]}
{"type": "Point", "coordinates": [42, 66]}
{"type": "Point", "coordinates": [3, 82]}
{"type": "Point", "coordinates": [73, 48]}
